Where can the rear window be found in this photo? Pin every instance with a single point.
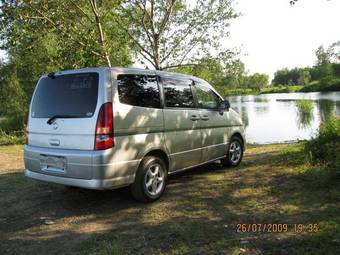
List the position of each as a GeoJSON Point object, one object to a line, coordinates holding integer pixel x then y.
{"type": "Point", "coordinates": [71, 94]}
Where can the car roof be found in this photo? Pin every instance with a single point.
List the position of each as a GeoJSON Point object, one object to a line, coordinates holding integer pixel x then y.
{"type": "Point", "coordinates": [125, 70]}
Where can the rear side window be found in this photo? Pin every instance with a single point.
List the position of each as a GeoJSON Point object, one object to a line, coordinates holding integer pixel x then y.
{"type": "Point", "coordinates": [71, 94]}
{"type": "Point", "coordinates": [139, 90]}
{"type": "Point", "coordinates": [178, 93]}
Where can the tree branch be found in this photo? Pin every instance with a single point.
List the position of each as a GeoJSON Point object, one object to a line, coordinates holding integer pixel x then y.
{"type": "Point", "coordinates": [44, 17]}
{"type": "Point", "coordinates": [135, 41]}
{"type": "Point", "coordinates": [166, 17]}
{"type": "Point", "coordinates": [81, 10]}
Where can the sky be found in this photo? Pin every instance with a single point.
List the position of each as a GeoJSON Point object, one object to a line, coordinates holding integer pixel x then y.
{"type": "Point", "coordinates": [272, 34]}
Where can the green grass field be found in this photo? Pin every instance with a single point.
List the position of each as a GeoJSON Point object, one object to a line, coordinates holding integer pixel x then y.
{"type": "Point", "coordinates": [198, 214]}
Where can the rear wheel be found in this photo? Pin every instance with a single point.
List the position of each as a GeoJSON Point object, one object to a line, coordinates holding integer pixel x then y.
{"type": "Point", "coordinates": [150, 180]}
{"type": "Point", "coordinates": [235, 152]}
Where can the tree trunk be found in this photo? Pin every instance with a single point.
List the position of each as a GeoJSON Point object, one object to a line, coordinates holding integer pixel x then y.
{"type": "Point", "coordinates": [102, 42]}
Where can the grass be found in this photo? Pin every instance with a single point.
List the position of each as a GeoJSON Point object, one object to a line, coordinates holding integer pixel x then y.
{"type": "Point", "coordinates": [266, 90]}
{"type": "Point", "coordinates": [198, 214]}
{"type": "Point", "coordinates": [305, 106]}
{"type": "Point", "coordinates": [281, 89]}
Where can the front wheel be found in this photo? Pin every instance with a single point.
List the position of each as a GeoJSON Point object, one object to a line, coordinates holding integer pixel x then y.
{"type": "Point", "coordinates": [235, 152]}
{"type": "Point", "coordinates": [150, 180]}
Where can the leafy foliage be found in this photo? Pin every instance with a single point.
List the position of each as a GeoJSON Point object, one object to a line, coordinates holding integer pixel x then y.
{"type": "Point", "coordinates": [11, 138]}
{"type": "Point", "coordinates": [174, 33]}
{"type": "Point", "coordinates": [326, 71]}
{"type": "Point", "coordinates": [73, 33]}
{"type": "Point", "coordinates": [325, 148]}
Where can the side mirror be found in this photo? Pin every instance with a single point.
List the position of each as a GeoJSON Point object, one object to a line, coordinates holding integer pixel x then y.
{"type": "Point", "coordinates": [225, 105]}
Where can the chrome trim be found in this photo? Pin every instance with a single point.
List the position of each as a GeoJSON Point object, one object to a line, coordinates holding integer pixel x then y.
{"type": "Point", "coordinates": [189, 167]}
{"type": "Point", "coordinates": [200, 148]}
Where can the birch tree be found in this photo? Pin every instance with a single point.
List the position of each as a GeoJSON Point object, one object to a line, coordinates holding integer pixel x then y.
{"type": "Point", "coordinates": [173, 33]}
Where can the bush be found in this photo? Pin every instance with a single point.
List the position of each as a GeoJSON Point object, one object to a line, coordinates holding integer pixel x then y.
{"type": "Point", "coordinates": [313, 86]}
{"type": "Point", "coordinates": [11, 138]}
{"type": "Point", "coordinates": [325, 147]}
{"type": "Point", "coordinates": [14, 122]}
{"type": "Point", "coordinates": [325, 84]}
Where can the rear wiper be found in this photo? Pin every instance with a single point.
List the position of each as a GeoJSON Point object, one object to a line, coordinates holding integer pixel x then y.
{"type": "Point", "coordinates": [53, 118]}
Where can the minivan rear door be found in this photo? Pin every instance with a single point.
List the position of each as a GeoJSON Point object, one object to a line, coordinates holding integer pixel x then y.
{"type": "Point", "coordinates": [64, 110]}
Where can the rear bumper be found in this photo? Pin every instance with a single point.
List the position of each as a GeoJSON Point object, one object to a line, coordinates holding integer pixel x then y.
{"type": "Point", "coordinates": [82, 183]}
{"type": "Point", "coordinates": [85, 169]}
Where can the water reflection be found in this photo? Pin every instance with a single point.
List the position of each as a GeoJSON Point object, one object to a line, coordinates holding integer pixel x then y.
{"type": "Point", "coordinates": [304, 118]}
{"type": "Point", "coordinates": [326, 108]}
{"type": "Point", "coordinates": [337, 110]}
{"type": "Point", "coordinates": [244, 116]}
{"type": "Point", "coordinates": [261, 109]}
{"type": "Point", "coordinates": [274, 118]}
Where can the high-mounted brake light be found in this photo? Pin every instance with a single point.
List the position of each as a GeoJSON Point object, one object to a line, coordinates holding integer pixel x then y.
{"type": "Point", "coordinates": [104, 128]}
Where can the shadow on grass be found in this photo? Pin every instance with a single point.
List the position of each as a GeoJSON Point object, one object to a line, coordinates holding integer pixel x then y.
{"type": "Point", "coordinates": [197, 214]}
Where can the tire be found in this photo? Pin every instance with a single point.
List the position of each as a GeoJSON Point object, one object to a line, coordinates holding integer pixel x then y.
{"type": "Point", "coordinates": [235, 152]}
{"type": "Point", "coordinates": [150, 180]}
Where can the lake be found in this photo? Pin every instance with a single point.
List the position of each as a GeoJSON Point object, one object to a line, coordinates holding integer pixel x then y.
{"type": "Point", "coordinates": [275, 118]}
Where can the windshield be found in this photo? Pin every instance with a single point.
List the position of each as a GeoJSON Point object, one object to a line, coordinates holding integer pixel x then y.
{"type": "Point", "coordinates": [70, 94]}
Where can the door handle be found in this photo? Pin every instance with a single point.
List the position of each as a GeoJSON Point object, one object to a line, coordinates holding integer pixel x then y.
{"type": "Point", "coordinates": [194, 117]}
{"type": "Point", "coordinates": [205, 117]}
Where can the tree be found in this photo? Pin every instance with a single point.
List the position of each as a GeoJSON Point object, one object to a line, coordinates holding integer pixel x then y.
{"type": "Point", "coordinates": [81, 29]}
{"type": "Point", "coordinates": [173, 33]}
{"type": "Point", "coordinates": [304, 77]}
{"type": "Point", "coordinates": [323, 63]}
{"type": "Point", "coordinates": [258, 81]}
{"type": "Point", "coordinates": [334, 52]}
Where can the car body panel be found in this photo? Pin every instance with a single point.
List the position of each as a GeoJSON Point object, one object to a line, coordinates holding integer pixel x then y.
{"type": "Point", "coordinates": [138, 131]}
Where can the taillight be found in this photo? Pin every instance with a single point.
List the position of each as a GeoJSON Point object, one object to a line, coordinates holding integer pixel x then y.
{"type": "Point", "coordinates": [104, 128]}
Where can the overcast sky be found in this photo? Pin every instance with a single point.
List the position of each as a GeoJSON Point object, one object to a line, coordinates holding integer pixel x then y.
{"type": "Point", "coordinates": [274, 34]}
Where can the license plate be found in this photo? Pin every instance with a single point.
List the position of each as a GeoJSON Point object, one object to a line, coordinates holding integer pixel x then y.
{"type": "Point", "coordinates": [53, 163]}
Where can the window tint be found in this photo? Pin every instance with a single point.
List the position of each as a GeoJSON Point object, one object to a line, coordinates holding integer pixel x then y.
{"type": "Point", "coordinates": [139, 90]}
{"type": "Point", "coordinates": [178, 93]}
{"type": "Point", "coordinates": [206, 98]}
{"type": "Point", "coordinates": [71, 94]}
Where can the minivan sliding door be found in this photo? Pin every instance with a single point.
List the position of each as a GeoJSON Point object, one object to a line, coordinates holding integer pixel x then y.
{"type": "Point", "coordinates": [182, 123]}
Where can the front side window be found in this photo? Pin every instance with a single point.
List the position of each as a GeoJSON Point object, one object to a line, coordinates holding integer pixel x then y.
{"type": "Point", "coordinates": [139, 90]}
{"type": "Point", "coordinates": [178, 93]}
{"type": "Point", "coordinates": [207, 99]}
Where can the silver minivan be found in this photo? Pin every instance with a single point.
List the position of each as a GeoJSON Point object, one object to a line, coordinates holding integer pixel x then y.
{"type": "Point", "coordinates": [105, 128]}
